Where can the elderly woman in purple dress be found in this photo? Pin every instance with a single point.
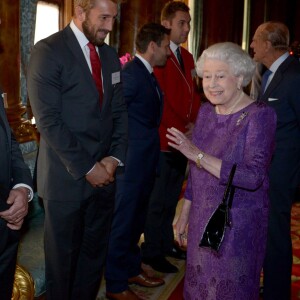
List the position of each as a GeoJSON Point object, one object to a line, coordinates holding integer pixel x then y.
{"type": "Point", "coordinates": [230, 128]}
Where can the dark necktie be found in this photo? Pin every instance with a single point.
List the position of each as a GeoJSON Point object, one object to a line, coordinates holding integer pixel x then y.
{"type": "Point", "coordinates": [156, 84]}
{"type": "Point", "coordinates": [96, 70]}
{"type": "Point", "coordinates": [179, 57]}
{"type": "Point", "coordinates": [264, 81]}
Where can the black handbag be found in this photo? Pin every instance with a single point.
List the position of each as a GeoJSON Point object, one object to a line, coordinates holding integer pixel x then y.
{"type": "Point", "coordinates": [215, 229]}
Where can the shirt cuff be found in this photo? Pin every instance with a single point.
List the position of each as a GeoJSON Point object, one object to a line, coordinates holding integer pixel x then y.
{"type": "Point", "coordinates": [30, 195]}
{"type": "Point", "coordinates": [90, 170]}
{"type": "Point", "coordinates": [120, 164]}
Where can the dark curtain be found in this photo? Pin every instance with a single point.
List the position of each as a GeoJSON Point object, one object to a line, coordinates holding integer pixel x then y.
{"type": "Point", "coordinates": [287, 12]}
{"type": "Point", "coordinates": [222, 22]}
{"type": "Point", "coordinates": [27, 30]}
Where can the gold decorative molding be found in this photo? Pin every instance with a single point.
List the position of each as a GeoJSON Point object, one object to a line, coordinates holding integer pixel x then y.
{"type": "Point", "coordinates": [23, 285]}
{"type": "Point", "coordinates": [67, 13]}
{"type": "Point", "coordinates": [23, 130]}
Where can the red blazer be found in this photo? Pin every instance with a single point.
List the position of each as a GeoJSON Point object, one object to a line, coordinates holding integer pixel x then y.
{"type": "Point", "coordinates": [181, 97]}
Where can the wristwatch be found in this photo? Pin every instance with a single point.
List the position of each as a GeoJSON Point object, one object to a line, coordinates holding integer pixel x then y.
{"type": "Point", "coordinates": [200, 155]}
{"type": "Point", "coordinates": [29, 194]}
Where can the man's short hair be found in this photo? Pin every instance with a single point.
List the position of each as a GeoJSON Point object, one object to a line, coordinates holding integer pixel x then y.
{"type": "Point", "coordinates": [89, 4]}
{"type": "Point", "coordinates": [277, 34]}
{"type": "Point", "coordinates": [169, 10]}
{"type": "Point", "coordinates": [150, 32]}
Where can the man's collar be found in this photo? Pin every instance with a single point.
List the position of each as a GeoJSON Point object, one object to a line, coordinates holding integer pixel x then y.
{"type": "Point", "coordinates": [173, 47]}
{"type": "Point", "coordinates": [275, 65]}
{"type": "Point", "coordinates": [145, 62]}
{"type": "Point", "coordinates": [83, 41]}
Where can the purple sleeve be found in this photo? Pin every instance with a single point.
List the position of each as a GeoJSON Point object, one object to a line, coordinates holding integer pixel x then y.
{"type": "Point", "coordinates": [259, 147]}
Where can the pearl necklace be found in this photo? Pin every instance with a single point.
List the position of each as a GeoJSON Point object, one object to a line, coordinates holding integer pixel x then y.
{"type": "Point", "coordinates": [233, 106]}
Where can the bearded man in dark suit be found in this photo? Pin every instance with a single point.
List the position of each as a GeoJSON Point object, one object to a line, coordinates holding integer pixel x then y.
{"type": "Point", "coordinates": [75, 91]}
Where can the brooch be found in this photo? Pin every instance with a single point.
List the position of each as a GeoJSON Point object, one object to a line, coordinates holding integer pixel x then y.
{"type": "Point", "coordinates": [241, 117]}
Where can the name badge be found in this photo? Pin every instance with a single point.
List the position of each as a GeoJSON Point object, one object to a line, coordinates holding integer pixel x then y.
{"type": "Point", "coordinates": [273, 99]}
{"type": "Point", "coordinates": [115, 77]}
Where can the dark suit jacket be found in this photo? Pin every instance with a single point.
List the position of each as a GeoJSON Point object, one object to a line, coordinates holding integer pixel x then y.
{"type": "Point", "coordinates": [13, 168]}
{"type": "Point", "coordinates": [283, 94]}
{"type": "Point", "coordinates": [13, 171]}
{"type": "Point", "coordinates": [135, 183]}
{"type": "Point", "coordinates": [65, 102]}
{"type": "Point", "coordinates": [144, 115]}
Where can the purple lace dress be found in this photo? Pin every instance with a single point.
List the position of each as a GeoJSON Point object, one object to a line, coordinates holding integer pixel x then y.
{"type": "Point", "coordinates": [246, 138]}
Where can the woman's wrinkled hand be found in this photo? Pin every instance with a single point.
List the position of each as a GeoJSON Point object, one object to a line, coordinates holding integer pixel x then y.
{"type": "Point", "coordinates": [181, 234]}
{"type": "Point", "coordinates": [180, 142]}
{"type": "Point", "coordinates": [181, 226]}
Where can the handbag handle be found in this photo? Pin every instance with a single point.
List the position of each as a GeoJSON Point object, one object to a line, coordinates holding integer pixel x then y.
{"type": "Point", "coordinates": [228, 194]}
{"type": "Point", "coordinates": [229, 189]}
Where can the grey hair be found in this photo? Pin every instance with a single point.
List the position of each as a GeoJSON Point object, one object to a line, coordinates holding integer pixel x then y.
{"type": "Point", "coordinates": [277, 33]}
{"type": "Point", "coordinates": [239, 61]}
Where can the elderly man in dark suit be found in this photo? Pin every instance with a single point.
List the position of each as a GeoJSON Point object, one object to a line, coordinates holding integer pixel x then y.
{"type": "Point", "coordinates": [76, 96]}
{"type": "Point", "coordinates": [145, 101]}
{"type": "Point", "coordinates": [15, 192]}
{"type": "Point", "coordinates": [281, 90]}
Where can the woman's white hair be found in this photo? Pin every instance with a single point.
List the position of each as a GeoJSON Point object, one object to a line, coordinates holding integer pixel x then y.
{"type": "Point", "coordinates": [239, 61]}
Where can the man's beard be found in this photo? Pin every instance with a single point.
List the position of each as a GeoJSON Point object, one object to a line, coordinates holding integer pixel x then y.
{"type": "Point", "coordinates": [161, 62]}
{"type": "Point", "coordinates": [92, 36]}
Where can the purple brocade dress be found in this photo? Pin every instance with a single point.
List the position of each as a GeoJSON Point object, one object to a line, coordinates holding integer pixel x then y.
{"type": "Point", "coordinates": [246, 138]}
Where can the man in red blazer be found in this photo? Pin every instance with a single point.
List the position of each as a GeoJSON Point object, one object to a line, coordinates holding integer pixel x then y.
{"type": "Point", "coordinates": [181, 104]}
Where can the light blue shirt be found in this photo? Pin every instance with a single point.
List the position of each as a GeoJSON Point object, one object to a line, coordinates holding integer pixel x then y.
{"type": "Point", "coordinates": [275, 66]}
{"type": "Point", "coordinates": [83, 41]}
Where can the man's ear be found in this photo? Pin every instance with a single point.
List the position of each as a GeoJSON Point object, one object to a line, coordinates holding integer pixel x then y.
{"type": "Point", "coordinates": [151, 47]}
{"type": "Point", "coordinates": [268, 45]}
{"type": "Point", "coordinates": [166, 24]}
{"type": "Point", "coordinates": [79, 13]}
